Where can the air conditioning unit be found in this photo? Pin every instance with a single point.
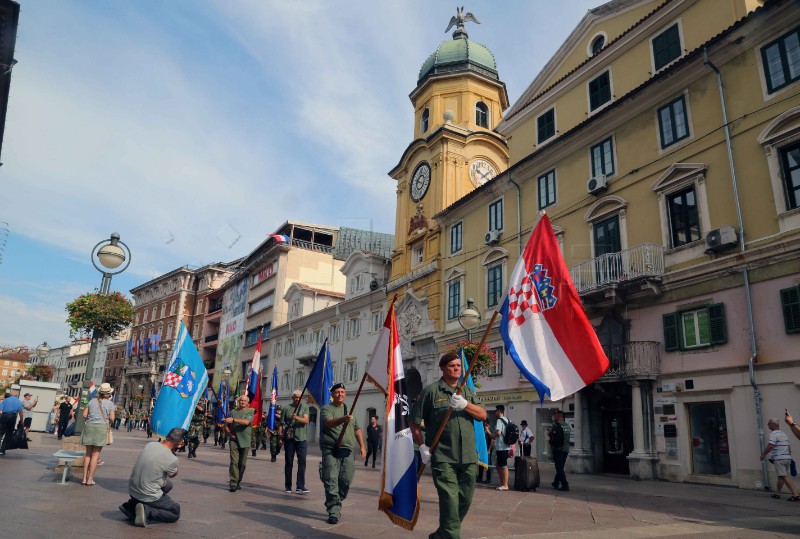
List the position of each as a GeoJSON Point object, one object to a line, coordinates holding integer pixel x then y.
{"type": "Point", "coordinates": [721, 238]}
{"type": "Point", "coordinates": [492, 237]}
{"type": "Point", "coordinates": [597, 184]}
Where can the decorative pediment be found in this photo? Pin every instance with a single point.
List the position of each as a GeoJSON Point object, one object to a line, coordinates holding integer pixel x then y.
{"type": "Point", "coordinates": [787, 124]}
{"type": "Point", "coordinates": [494, 254]}
{"type": "Point", "coordinates": [604, 207]}
{"type": "Point", "coordinates": [678, 174]}
{"type": "Point", "coordinates": [453, 275]}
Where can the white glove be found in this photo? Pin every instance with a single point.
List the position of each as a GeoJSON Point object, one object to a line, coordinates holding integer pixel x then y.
{"type": "Point", "coordinates": [457, 402]}
{"type": "Point", "coordinates": [425, 453]}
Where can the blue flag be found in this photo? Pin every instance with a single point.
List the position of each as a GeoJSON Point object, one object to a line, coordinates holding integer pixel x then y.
{"type": "Point", "coordinates": [222, 404]}
{"type": "Point", "coordinates": [480, 433]}
{"type": "Point", "coordinates": [273, 400]}
{"type": "Point", "coordinates": [320, 379]}
{"type": "Point", "coordinates": [185, 378]}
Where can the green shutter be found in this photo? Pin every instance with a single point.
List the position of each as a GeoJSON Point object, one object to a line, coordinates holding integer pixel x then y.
{"type": "Point", "coordinates": [790, 301]}
{"type": "Point", "coordinates": [717, 324]}
{"type": "Point", "coordinates": [672, 340]}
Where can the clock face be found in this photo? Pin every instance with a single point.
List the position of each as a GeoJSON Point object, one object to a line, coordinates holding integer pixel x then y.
{"type": "Point", "coordinates": [420, 182]}
{"type": "Point", "coordinates": [481, 171]}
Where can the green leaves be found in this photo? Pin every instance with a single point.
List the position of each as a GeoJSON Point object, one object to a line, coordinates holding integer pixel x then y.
{"type": "Point", "coordinates": [107, 314]}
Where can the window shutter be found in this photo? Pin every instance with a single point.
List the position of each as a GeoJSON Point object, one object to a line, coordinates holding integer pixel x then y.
{"type": "Point", "coordinates": [717, 325]}
{"type": "Point", "coordinates": [790, 301]}
{"type": "Point", "coordinates": [672, 340]}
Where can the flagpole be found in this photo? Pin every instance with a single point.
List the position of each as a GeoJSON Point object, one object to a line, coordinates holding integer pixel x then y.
{"type": "Point", "coordinates": [458, 392]}
{"type": "Point", "coordinates": [363, 379]}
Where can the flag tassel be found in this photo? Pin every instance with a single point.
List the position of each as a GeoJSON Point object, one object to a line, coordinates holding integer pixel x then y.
{"type": "Point", "coordinates": [458, 392]}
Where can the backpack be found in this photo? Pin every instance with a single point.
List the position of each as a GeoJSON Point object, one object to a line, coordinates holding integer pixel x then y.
{"type": "Point", "coordinates": [556, 436]}
{"type": "Point", "coordinates": [511, 435]}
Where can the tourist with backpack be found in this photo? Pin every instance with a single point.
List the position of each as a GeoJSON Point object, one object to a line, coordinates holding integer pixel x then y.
{"type": "Point", "coordinates": [559, 445]}
{"type": "Point", "coordinates": [506, 435]}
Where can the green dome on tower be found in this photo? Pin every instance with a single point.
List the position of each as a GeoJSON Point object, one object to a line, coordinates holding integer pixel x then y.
{"type": "Point", "coordinates": [457, 55]}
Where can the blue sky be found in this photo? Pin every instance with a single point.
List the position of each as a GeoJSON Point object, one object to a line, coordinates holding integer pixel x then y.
{"type": "Point", "coordinates": [184, 125]}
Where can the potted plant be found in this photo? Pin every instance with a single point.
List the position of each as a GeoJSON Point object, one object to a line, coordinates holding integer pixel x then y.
{"type": "Point", "coordinates": [99, 314]}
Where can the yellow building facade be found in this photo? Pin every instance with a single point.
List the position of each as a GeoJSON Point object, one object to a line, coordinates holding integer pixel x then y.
{"type": "Point", "coordinates": [662, 141]}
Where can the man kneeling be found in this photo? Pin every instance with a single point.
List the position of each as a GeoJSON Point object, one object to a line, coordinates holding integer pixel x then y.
{"type": "Point", "coordinates": [149, 482]}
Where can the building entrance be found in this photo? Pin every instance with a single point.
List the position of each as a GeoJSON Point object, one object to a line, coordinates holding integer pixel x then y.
{"type": "Point", "coordinates": [617, 427]}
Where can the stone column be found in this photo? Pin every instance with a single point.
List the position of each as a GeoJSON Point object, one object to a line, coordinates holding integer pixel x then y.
{"type": "Point", "coordinates": [581, 459]}
{"type": "Point", "coordinates": [642, 462]}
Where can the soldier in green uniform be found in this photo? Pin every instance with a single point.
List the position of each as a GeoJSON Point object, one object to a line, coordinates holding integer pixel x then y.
{"type": "Point", "coordinates": [295, 442]}
{"type": "Point", "coordinates": [195, 428]}
{"type": "Point", "coordinates": [275, 436]}
{"type": "Point", "coordinates": [208, 418]}
{"type": "Point", "coordinates": [337, 467]}
{"type": "Point", "coordinates": [241, 425]}
{"type": "Point", "coordinates": [258, 434]}
{"type": "Point", "coordinates": [454, 459]}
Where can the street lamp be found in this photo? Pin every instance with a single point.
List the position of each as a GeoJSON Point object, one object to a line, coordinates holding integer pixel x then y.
{"type": "Point", "coordinates": [140, 387]}
{"type": "Point", "coordinates": [469, 318]}
{"type": "Point", "coordinates": [112, 254]}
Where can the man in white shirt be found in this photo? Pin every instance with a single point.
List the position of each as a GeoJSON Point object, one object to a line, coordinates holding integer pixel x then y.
{"type": "Point", "coordinates": [780, 453]}
{"type": "Point", "coordinates": [525, 438]}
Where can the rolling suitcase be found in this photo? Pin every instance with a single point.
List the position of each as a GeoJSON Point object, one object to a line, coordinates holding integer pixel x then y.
{"type": "Point", "coordinates": [526, 474]}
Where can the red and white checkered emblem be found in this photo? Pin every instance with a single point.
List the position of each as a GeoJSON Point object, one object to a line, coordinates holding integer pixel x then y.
{"type": "Point", "coordinates": [519, 301]}
{"type": "Point", "coordinates": [172, 379]}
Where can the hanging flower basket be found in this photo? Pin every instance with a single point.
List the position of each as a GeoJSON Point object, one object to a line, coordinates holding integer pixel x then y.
{"type": "Point", "coordinates": [42, 373]}
{"type": "Point", "coordinates": [487, 359]}
{"type": "Point", "coordinates": [139, 397]}
{"type": "Point", "coordinates": [107, 314]}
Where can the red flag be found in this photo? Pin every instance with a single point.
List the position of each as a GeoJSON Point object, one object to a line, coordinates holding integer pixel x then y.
{"type": "Point", "coordinates": [254, 383]}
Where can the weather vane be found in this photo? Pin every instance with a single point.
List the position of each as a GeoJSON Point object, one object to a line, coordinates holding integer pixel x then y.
{"type": "Point", "coordinates": [458, 20]}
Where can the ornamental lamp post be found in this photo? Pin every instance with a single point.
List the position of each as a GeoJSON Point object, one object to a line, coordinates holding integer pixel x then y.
{"type": "Point", "coordinates": [111, 254]}
{"type": "Point", "coordinates": [469, 318]}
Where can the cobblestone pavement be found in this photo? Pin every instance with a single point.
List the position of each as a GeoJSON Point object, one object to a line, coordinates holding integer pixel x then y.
{"type": "Point", "coordinates": [34, 504]}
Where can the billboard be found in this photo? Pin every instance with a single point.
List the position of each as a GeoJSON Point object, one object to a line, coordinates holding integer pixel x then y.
{"type": "Point", "coordinates": [231, 332]}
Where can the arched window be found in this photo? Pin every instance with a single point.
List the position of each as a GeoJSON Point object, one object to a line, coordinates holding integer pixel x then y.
{"type": "Point", "coordinates": [482, 114]}
{"type": "Point", "coordinates": [423, 121]}
{"type": "Point", "coordinates": [598, 43]}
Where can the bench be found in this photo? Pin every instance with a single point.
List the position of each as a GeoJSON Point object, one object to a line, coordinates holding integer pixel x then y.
{"type": "Point", "coordinates": [68, 455]}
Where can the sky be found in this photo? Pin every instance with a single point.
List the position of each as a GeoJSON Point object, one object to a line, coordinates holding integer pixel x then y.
{"type": "Point", "coordinates": [195, 127]}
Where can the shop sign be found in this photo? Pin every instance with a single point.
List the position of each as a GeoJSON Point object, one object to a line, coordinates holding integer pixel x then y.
{"type": "Point", "coordinates": [519, 396]}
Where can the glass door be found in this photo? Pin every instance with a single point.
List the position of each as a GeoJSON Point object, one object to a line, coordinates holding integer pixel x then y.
{"type": "Point", "coordinates": [607, 242]}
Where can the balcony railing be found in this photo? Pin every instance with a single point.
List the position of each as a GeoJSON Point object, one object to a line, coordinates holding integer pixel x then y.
{"type": "Point", "coordinates": [212, 337]}
{"type": "Point", "coordinates": [640, 262]}
{"type": "Point", "coordinates": [636, 359]}
{"type": "Point", "coordinates": [312, 246]}
{"type": "Point", "coordinates": [214, 308]}
{"type": "Point", "coordinates": [306, 353]}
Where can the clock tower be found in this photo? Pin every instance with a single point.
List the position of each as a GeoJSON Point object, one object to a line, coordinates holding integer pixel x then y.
{"type": "Point", "coordinates": [458, 100]}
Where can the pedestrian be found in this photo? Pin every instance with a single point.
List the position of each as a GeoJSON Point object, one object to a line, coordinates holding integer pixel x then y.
{"type": "Point", "coordinates": [150, 482]}
{"type": "Point", "coordinates": [208, 418]}
{"type": "Point", "coordinates": [487, 470]}
{"type": "Point", "coordinates": [240, 424]}
{"type": "Point", "coordinates": [98, 413]}
{"type": "Point", "coordinates": [780, 455]}
{"type": "Point", "coordinates": [559, 444]}
{"type": "Point", "coordinates": [65, 413]}
{"type": "Point", "coordinates": [501, 447]}
{"type": "Point", "coordinates": [276, 435]}
{"type": "Point", "coordinates": [10, 409]}
{"type": "Point", "coordinates": [147, 426]}
{"type": "Point", "coordinates": [295, 443]}
{"type": "Point", "coordinates": [337, 467]}
{"type": "Point", "coordinates": [118, 412]}
{"type": "Point", "coordinates": [525, 438]}
{"type": "Point", "coordinates": [131, 419]}
{"type": "Point", "coordinates": [52, 419]}
{"type": "Point", "coordinates": [373, 439]}
{"type": "Point", "coordinates": [28, 405]}
{"type": "Point", "coordinates": [454, 461]}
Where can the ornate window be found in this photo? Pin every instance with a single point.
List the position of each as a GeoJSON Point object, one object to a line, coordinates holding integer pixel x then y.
{"type": "Point", "coordinates": [482, 114]}
{"type": "Point", "coordinates": [781, 142]}
{"type": "Point", "coordinates": [683, 207]}
{"type": "Point", "coordinates": [424, 120]}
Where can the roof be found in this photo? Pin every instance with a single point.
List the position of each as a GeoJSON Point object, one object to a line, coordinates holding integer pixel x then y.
{"type": "Point", "coordinates": [354, 239]}
{"type": "Point", "coordinates": [319, 290]}
{"type": "Point", "coordinates": [457, 55]}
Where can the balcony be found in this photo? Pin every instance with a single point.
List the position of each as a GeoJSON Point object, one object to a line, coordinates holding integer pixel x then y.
{"type": "Point", "coordinates": [306, 353]}
{"type": "Point", "coordinates": [636, 360]}
{"type": "Point", "coordinates": [616, 275]}
{"type": "Point", "coordinates": [309, 246]}
{"type": "Point", "coordinates": [211, 338]}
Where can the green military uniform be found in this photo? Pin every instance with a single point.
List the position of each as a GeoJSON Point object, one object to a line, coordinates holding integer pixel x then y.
{"type": "Point", "coordinates": [258, 435]}
{"type": "Point", "coordinates": [208, 418]}
{"type": "Point", "coordinates": [195, 428]}
{"type": "Point", "coordinates": [238, 447]}
{"type": "Point", "coordinates": [454, 459]}
{"type": "Point", "coordinates": [336, 473]}
{"type": "Point", "coordinates": [300, 434]}
{"type": "Point", "coordinates": [275, 441]}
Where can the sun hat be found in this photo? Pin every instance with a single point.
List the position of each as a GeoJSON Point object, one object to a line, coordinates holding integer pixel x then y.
{"type": "Point", "coordinates": [105, 389]}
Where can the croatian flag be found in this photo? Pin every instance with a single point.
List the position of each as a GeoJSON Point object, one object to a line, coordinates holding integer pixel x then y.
{"type": "Point", "coordinates": [273, 400]}
{"type": "Point", "coordinates": [399, 497]}
{"type": "Point", "coordinates": [254, 383]}
{"type": "Point", "coordinates": [136, 347]}
{"type": "Point", "coordinates": [279, 238]}
{"type": "Point", "coordinates": [92, 390]}
{"type": "Point", "coordinates": [543, 325]}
